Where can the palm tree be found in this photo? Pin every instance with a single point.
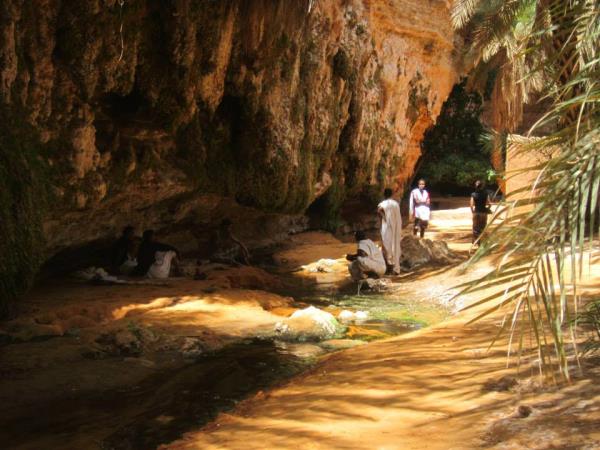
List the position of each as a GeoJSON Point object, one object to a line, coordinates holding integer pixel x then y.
{"type": "Point", "coordinates": [549, 48]}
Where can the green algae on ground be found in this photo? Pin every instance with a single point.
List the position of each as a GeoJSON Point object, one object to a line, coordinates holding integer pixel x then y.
{"type": "Point", "coordinates": [388, 314]}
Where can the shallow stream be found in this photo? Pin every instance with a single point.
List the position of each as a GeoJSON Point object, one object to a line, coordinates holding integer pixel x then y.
{"type": "Point", "coordinates": [171, 402]}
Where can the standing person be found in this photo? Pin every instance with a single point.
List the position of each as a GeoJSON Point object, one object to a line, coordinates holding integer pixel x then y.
{"type": "Point", "coordinates": [121, 248]}
{"type": "Point", "coordinates": [368, 260]}
{"type": "Point", "coordinates": [480, 203]}
{"type": "Point", "coordinates": [391, 228]}
{"type": "Point", "coordinates": [226, 248]}
{"type": "Point", "coordinates": [420, 208]}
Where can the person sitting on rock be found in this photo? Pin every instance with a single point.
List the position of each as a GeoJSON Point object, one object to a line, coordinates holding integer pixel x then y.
{"type": "Point", "coordinates": [154, 259]}
{"type": "Point", "coordinates": [368, 261]}
{"type": "Point", "coordinates": [130, 263]}
{"type": "Point", "coordinates": [226, 248]}
{"type": "Point", "coordinates": [121, 247]}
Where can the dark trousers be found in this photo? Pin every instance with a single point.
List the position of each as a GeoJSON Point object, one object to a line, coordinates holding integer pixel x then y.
{"type": "Point", "coordinates": [420, 227]}
{"type": "Point", "coordinates": [479, 224]}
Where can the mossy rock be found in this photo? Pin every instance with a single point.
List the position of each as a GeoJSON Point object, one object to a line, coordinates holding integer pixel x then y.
{"type": "Point", "coordinates": [24, 195]}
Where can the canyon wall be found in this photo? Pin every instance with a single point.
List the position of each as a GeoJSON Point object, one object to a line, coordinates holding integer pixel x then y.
{"type": "Point", "coordinates": [165, 114]}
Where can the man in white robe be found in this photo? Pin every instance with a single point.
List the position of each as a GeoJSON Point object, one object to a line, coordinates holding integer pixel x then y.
{"type": "Point", "coordinates": [391, 229]}
{"type": "Point", "coordinates": [420, 208]}
{"type": "Point", "coordinates": [368, 261]}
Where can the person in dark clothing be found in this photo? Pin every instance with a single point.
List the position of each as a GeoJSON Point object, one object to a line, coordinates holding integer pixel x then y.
{"type": "Point", "coordinates": [226, 248]}
{"type": "Point", "coordinates": [147, 252]}
{"type": "Point", "coordinates": [121, 247]}
{"type": "Point", "coordinates": [480, 203]}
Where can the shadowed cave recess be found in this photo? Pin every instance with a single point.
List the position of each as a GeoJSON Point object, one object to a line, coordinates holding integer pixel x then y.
{"type": "Point", "coordinates": [258, 110]}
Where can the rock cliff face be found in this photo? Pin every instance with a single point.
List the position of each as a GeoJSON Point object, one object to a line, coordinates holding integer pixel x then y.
{"type": "Point", "coordinates": [137, 111]}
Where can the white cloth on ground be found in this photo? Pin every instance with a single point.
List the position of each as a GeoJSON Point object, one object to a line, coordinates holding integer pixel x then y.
{"type": "Point", "coordinates": [373, 262]}
{"type": "Point", "coordinates": [162, 264]}
{"type": "Point", "coordinates": [391, 232]}
{"type": "Point", "coordinates": [418, 204]}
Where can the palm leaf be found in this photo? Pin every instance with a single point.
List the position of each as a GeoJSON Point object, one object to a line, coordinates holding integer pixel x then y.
{"type": "Point", "coordinates": [542, 229]}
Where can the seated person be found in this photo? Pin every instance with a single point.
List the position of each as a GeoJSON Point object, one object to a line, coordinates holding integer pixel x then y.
{"type": "Point", "coordinates": [226, 248]}
{"type": "Point", "coordinates": [368, 261]}
{"type": "Point", "coordinates": [130, 263]}
{"type": "Point", "coordinates": [154, 259]}
{"type": "Point", "coordinates": [121, 247]}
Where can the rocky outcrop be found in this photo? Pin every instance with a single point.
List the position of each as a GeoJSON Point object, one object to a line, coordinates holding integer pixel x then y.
{"type": "Point", "coordinates": [418, 252]}
{"type": "Point", "coordinates": [137, 109]}
{"type": "Point", "coordinates": [309, 324]}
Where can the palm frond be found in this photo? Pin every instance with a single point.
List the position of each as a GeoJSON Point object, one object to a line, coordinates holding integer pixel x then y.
{"type": "Point", "coordinates": [462, 11]}
{"type": "Point", "coordinates": [543, 228]}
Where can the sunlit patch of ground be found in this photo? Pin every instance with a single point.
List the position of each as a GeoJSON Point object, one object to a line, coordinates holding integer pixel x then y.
{"type": "Point", "coordinates": [438, 388]}
{"type": "Point", "coordinates": [434, 388]}
{"type": "Point", "coordinates": [315, 257]}
{"type": "Point", "coordinates": [74, 340]}
{"type": "Point", "coordinates": [110, 348]}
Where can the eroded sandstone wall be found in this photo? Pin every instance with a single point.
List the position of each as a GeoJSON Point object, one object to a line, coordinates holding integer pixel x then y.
{"type": "Point", "coordinates": [140, 107]}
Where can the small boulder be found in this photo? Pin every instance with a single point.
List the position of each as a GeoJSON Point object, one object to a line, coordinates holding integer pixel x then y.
{"type": "Point", "coordinates": [349, 316]}
{"type": "Point", "coordinates": [523, 411]}
{"type": "Point", "coordinates": [120, 342]}
{"type": "Point", "coordinates": [346, 316]}
{"type": "Point", "coordinates": [322, 266]}
{"type": "Point", "coordinates": [417, 252]}
{"type": "Point", "coordinates": [192, 348]}
{"type": "Point", "coordinates": [309, 324]}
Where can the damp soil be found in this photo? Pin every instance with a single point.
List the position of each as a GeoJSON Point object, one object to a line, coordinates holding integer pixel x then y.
{"type": "Point", "coordinates": [170, 401]}
{"type": "Point", "coordinates": [157, 404]}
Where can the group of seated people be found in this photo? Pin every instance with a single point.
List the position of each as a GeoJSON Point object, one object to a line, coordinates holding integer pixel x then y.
{"type": "Point", "coordinates": [145, 257]}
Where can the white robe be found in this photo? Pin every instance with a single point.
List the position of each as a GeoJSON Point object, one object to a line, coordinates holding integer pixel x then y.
{"type": "Point", "coordinates": [391, 232]}
{"type": "Point", "coordinates": [373, 262]}
{"type": "Point", "coordinates": [418, 207]}
{"type": "Point", "coordinates": [162, 265]}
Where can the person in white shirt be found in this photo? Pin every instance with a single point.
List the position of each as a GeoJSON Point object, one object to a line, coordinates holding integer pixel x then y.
{"type": "Point", "coordinates": [391, 228]}
{"type": "Point", "coordinates": [420, 208]}
{"type": "Point", "coordinates": [368, 261]}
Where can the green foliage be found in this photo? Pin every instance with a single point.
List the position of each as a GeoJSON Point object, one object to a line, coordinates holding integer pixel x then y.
{"type": "Point", "coordinates": [543, 230]}
{"type": "Point", "coordinates": [453, 154]}
{"type": "Point", "coordinates": [455, 170]}
{"type": "Point", "coordinates": [589, 318]}
{"type": "Point", "coordinates": [23, 199]}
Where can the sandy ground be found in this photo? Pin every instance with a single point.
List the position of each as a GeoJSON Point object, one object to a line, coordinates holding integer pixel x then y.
{"type": "Point", "coordinates": [73, 343]}
{"type": "Point", "coordinates": [438, 388]}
